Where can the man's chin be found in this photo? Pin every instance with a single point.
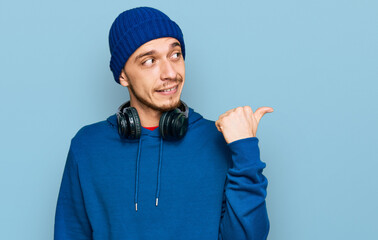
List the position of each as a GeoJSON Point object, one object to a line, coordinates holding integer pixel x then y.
{"type": "Point", "coordinates": [170, 106]}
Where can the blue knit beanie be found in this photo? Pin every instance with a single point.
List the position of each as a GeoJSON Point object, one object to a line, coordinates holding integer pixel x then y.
{"type": "Point", "coordinates": [133, 28]}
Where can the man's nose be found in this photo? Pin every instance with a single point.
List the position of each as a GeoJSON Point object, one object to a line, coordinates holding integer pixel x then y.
{"type": "Point", "coordinates": [168, 71]}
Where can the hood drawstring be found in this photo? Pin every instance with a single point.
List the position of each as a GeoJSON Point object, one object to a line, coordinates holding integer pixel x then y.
{"type": "Point", "coordinates": [137, 175]}
{"type": "Point", "coordinates": [158, 174]}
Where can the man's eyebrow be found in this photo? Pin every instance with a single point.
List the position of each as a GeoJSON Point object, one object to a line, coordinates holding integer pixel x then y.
{"type": "Point", "coordinates": [175, 44]}
{"type": "Point", "coordinates": [144, 54]}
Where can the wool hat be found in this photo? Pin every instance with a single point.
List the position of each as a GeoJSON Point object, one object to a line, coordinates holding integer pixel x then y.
{"type": "Point", "coordinates": [133, 28]}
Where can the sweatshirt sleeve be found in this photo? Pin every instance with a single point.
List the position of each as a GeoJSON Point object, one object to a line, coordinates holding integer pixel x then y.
{"type": "Point", "coordinates": [244, 214]}
{"type": "Point", "coordinates": [71, 220]}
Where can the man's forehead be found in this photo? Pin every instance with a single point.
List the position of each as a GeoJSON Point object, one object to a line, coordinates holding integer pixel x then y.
{"type": "Point", "coordinates": [164, 40]}
{"type": "Point", "coordinates": [150, 47]}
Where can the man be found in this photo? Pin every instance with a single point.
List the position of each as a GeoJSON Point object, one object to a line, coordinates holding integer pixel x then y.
{"type": "Point", "coordinates": [157, 169]}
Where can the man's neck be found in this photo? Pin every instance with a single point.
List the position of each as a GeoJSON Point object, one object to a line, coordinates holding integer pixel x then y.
{"type": "Point", "coordinates": [148, 117]}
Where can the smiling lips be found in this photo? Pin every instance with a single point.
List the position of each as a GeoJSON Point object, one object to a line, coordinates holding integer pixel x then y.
{"type": "Point", "coordinates": [168, 91]}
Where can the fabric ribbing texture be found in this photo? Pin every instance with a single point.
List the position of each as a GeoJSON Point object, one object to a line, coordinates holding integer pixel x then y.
{"type": "Point", "coordinates": [133, 28]}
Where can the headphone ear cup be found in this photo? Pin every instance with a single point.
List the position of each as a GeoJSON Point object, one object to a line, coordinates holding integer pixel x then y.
{"type": "Point", "coordinates": [179, 125]}
{"type": "Point", "coordinates": [173, 125]}
{"type": "Point", "coordinates": [138, 126]}
{"type": "Point", "coordinates": [169, 124]}
{"type": "Point", "coordinates": [122, 125]}
{"type": "Point", "coordinates": [163, 126]}
{"type": "Point", "coordinates": [134, 123]}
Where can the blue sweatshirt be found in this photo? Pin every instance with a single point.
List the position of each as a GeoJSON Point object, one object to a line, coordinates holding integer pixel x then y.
{"type": "Point", "coordinates": [198, 187]}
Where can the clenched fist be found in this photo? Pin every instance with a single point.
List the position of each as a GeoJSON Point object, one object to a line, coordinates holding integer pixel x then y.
{"type": "Point", "coordinates": [240, 122]}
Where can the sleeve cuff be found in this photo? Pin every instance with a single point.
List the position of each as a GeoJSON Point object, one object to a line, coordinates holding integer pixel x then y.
{"type": "Point", "coordinates": [245, 152]}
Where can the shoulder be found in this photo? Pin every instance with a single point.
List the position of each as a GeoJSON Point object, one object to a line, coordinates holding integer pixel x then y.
{"type": "Point", "coordinates": [204, 138]}
{"type": "Point", "coordinates": [207, 130]}
{"type": "Point", "coordinates": [93, 134]}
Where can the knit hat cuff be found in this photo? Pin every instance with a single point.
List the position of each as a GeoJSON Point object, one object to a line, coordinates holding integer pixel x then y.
{"type": "Point", "coordinates": [139, 34]}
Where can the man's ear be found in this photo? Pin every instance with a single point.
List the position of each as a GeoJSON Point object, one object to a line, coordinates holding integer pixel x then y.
{"type": "Point", "coordinates": [123, 80]}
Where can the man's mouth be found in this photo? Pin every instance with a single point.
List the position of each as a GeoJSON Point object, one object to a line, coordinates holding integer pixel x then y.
{"type": "Point", "coordinates": [168, 90]}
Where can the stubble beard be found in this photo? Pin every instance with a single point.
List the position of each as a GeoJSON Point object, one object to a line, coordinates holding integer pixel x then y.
{"type": "Point", "coordinates": [164, 108]}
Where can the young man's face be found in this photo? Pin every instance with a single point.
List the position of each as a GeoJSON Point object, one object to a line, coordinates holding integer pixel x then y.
{"type": "Point", "coordinates": [155, 66]}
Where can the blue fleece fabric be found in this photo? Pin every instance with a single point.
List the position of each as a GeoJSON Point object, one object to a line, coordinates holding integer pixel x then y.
{"type": "Point", "coordinates": [206, 188]}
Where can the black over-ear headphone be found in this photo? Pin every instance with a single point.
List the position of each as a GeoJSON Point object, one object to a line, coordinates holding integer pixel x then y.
{"type": "Point", "coordinates": [172, 124]}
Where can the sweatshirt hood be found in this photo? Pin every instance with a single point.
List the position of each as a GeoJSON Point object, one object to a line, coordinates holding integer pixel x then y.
{"type": "Point", "coordinates": [112, 120]}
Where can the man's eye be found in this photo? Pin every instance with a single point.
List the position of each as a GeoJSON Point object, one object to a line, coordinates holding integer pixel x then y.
{"type": "Point", "coordinates": [148, 61]}
{"type": "Point", "coordinates": [177, 55]}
